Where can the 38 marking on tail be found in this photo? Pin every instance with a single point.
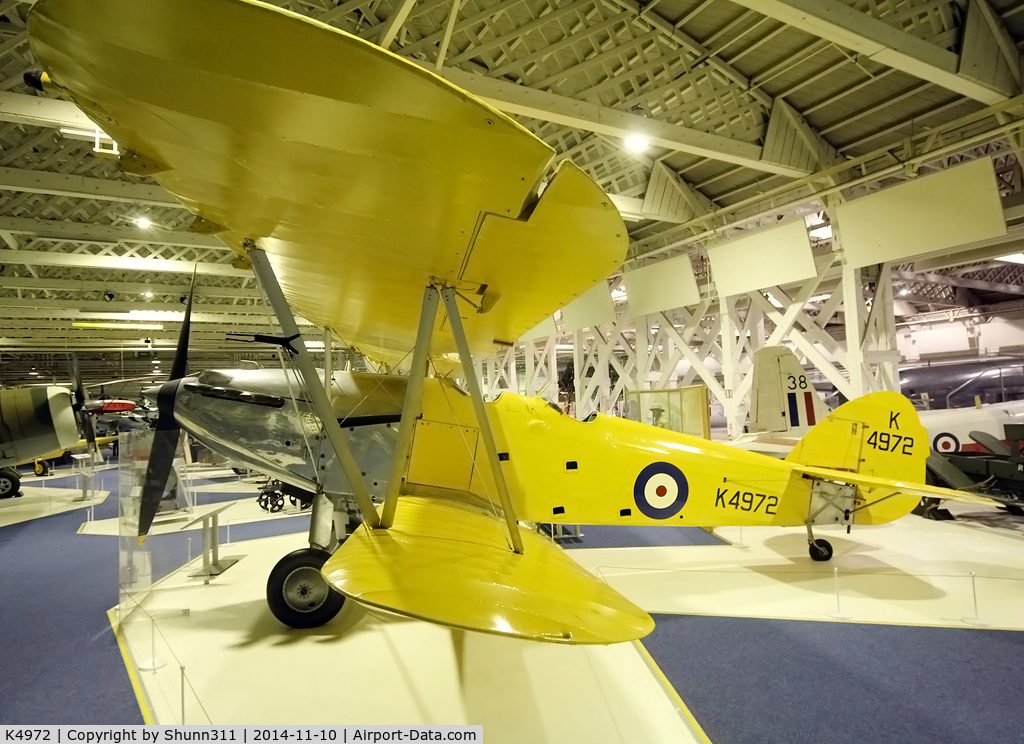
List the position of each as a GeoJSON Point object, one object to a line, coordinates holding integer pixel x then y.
{"type": "Point", "coordinates": [661, 490]}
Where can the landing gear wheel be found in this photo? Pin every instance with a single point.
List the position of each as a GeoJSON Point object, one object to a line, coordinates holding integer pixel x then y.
{"type": "Point", "coordinates": [10, 483]}
{"type": "Point", "coordinates": [263, 500]}
{"type": "Point", "coordinates": [41, 467]}
{"type": "Point", "coordinates": [276, 503]}
{"type": "Point", "coordinates": [298, 594]}
{"type": "Point", "coordinates": [820, 550]}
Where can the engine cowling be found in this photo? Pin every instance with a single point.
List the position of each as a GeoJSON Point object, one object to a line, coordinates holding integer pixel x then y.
{"type": "Point", "coordinates": [35, 422]}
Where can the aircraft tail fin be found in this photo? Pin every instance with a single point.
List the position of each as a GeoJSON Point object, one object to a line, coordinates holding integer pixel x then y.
{"type": "Point", "coordinates": [877, 443]}
{"type": "Point", "coordinates": [784, 401]}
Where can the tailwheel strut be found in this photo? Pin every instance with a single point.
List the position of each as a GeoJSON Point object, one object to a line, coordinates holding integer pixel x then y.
{"type": "Point", "coordinates": [820, 550]}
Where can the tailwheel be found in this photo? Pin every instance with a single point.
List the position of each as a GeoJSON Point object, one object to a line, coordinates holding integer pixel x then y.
{"type": "Point", "coordinates": [297, 592]}
{"type": "Point", "coordinates": [820, 550]}
{"type": "Point", "coordinates": [41, 467]}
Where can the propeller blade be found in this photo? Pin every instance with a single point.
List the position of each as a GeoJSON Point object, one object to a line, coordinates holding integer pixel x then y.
{"type": "Point", "coordinates": [81, 405]}
{"type": "Point", "coordinates": [179, 366]}
{"type": "Point", "coordinates": [158, 472]}
{"type": "Point", "coordinates": [76, 380]}
{"type": "Point", "coordinates": [168, 433]}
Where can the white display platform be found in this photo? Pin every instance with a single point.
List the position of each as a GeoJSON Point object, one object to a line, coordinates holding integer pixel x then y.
{"type": "Point", "coordinates": [243, 511]}
{"type": "Point", "coordinates": [910, 572]}
{"type": "Point", "coordinates": [42, 502]}
{"type": "Point", "coordinates": [242, 666]}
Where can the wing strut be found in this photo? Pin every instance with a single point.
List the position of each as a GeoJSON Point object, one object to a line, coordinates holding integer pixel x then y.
{"type": "Point", "coordinates": [411, 405]}
{"type": "Point", "coordinates": [296, 347]}
{"type": "Point", "coordinates": [473, 385]}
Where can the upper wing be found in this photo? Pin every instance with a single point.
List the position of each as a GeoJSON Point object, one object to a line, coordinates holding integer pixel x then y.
{"type": "Point", "coordinates": [449, 562]}
{"type": "Point", "coordinates": [364, 176]}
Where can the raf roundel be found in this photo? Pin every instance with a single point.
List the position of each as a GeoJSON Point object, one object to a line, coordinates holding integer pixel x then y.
{"type": "Point", "coordinates": [660, 490]}
{"type": "Point", "coordinates": [945, 442]}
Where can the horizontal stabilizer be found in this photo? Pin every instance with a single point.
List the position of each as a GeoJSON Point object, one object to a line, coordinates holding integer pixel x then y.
{"type": "Point", "coordinates": [871, 481]}
{"type": "Point", "coordinates": [449, 562]}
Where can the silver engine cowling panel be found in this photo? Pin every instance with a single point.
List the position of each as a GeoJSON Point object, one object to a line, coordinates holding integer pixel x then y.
{"type": "Point", "coordinates": [249, 417]}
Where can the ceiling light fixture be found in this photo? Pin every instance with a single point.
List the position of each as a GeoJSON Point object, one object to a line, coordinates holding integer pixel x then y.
{"type": "Point", "coordinates": [127, 326]}
{"type": "Point", "coordinates": [147, 294]}
{"type": "Point", "coordinates": [143, 222]}
{"type": "Point", "coordinates": [637, 143]}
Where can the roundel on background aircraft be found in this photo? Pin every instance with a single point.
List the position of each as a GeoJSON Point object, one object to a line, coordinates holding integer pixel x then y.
{"type": "Point", "coordinates": [945, 442]}
{"type": "Point", "coordinates": [661, 490]}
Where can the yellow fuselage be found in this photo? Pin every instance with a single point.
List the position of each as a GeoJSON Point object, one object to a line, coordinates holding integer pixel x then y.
{"type": "Point", "coordinates": [612, 471]}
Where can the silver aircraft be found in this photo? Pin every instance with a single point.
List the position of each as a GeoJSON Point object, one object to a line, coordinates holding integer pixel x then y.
{"type": "Point", "coordinates": [262, 418]}
{"type": "Point", "coordinates": [251, 417]}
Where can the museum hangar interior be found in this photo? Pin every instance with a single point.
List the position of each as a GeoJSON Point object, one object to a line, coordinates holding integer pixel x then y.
{"type": "Point", "coordinates": [747, 274]}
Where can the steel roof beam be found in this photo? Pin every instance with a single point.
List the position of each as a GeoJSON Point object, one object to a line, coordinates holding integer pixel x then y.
{"type": "Point", "coordinates": [883, 43]}
{"type": "Point", "coordinates": [77, 285]}
{"type": "Point", "coordinates": [84, 233]}
{"type": "Point", "coordinates": [84, 187]}
{"type": "Point", "coordinates": [591, 117]}
{"type": "Point", "coordinates": [958, 281]}
{"type": "Point", "coordinates": [125, 263]}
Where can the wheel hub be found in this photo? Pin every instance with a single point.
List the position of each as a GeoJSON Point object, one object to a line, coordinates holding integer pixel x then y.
{"type": "Point", "coordinates": [305, 589]}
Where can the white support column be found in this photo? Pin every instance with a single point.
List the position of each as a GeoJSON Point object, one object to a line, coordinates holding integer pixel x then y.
{"type": "Point", "coordinates": [879, 345]}
{"type": "Point", "coordinates": [730, 359]}
{"type": "Point", "coordinates": [328, 360]}
{"type": "Point", "coordinates": [853, 309]}
{"type": "Point", "coordinates": [644, 359]}
{"type": "Point", "coordinates": [530, 349]}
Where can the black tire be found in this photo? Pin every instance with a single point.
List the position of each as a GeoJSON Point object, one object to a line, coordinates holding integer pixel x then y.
{"type": "Point", "coordinates": [820, 550]}
{"type": "Point", "coordinates": [298, 595]}
{"type": "Point", "coordinates": [41, 467]}
{"type": "Point", "coordinates": [10, 483]}
{"type": "Point", "coordinates": [263, 500]}
{"type": "Point", "coordinates": [276, 503]}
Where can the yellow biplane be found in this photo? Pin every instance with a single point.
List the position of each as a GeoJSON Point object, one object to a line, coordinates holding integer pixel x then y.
{"type": "Point", "coordinates": [378, 200]}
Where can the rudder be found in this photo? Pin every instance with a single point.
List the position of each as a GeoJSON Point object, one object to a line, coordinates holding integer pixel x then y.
{"type": "Point", "coordinates": [879, 435]}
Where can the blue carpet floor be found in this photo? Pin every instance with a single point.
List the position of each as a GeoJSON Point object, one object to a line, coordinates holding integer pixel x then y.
{"type": "Point", "coordinates": [604, 536]}
{"type": "Point", "coordinates": [752, 681]}
{"type": "Point", "coordinates": [59, 660]}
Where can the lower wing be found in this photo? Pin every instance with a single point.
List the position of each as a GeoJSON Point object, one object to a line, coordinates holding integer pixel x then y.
{"type": "Point", "coordinates": [449, 562]}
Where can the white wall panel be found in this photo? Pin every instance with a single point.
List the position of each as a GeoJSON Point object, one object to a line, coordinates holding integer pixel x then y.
{"type": "Point", "coordinates": [661, 286]}
{"type": "Point", "coordinates": [946, 339]}
{"type": "Point", "coordinates": [542, 330]}
{"type": "Point", "coordinates": [933, 213]}
{"type": "Point", "coordinates": [1000, 333]}
{"type": "Point", "coordinates": [778, 255]}
{"type": "Point", "coordinates": [593, 307]}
